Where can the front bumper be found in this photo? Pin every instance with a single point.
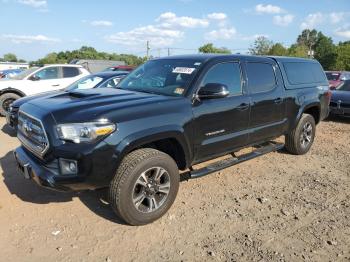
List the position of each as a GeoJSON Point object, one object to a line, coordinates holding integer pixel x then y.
{"type": "Point", "coordinates": [48, 174]}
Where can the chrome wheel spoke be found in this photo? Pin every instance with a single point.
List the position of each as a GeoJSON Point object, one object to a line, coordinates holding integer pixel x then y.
{"type": "Point", "coordinates": [158, 173]}
{"type": "Point", "coordinates": [164, 188]}
{"type": "Point", "coordinates": [143, 180]}
{"type": "Point", "coordinates": [139, 199]}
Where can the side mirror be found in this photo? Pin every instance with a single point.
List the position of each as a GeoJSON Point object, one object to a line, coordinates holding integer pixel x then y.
{"type": "Point", "coordinates": [213, 90]}
{"type": "Point", "coordinates": [34, 78]}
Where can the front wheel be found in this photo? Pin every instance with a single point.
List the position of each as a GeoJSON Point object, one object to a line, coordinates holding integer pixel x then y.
{"type": "Point", "coordinates": [144, 187]}
{"type": "Point", "coordinates": [5, 102]}
{"type": "Point", "coordinates": [300, 139]}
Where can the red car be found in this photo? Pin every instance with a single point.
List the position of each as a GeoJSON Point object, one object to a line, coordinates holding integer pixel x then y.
{"type": "Point", "coordinates": [120, 68]}
{"type": "Point", "coordinates": [335, 78]}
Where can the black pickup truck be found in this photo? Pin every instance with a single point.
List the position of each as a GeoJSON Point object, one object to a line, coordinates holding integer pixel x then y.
{"type": "Point", "coordinates": [169, 115]}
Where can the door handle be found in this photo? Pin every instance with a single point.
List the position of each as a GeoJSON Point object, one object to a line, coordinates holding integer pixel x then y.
{"type": "Point", "coordinates": [56, 85]}
{"type": "Point", "coordinates": [278, 100]}
{"type": "Point", "coordinates": [243, 107]}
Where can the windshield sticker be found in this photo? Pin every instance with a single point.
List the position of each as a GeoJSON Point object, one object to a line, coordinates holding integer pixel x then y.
{"type": "Point", "coordinates": [179, 91]}
{"type": "Point", "coordinates": [183, 70]}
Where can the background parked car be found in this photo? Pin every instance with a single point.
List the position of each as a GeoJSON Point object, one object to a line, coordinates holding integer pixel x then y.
{"type": "Point", "coordinates": [335, 78]}
{"type": "Point", "coordinates": [120, 68]}
{"type": "Point", "coordinates": [340, 100]}
{"type": "Point", "coordinates": [9, 73]}
{"type": "Point", "coordinates": [99, 80]}
{"type": "Point", "coordinates": [38, 80]}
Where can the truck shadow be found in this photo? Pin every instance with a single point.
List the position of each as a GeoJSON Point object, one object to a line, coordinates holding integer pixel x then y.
{"type": "Point", "coordinates": [338, 119]}
{"type": "Point", "coordinates": [28, 191]}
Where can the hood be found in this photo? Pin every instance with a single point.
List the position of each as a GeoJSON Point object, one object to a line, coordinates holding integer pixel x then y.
{"type": "Point", "coordinates": [26, 99]}
{"type": "Point", "coordinates": [93, 104]}
{"type": "Point", "coordinates": [344, 96]}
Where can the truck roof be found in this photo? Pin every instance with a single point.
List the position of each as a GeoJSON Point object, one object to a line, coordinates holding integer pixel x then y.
{"type": "Point", "coordinates": [207, 57]}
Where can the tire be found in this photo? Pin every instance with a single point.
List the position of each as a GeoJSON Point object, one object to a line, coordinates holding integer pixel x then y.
{"type": "Point", "coordinates": [300, 139]}
{"type": "Point", "coordinates": [131, 195]}
{"type": "Point", "coordinates": [5, 101]}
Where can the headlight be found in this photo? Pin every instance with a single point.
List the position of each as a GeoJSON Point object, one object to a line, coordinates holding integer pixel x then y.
{"type": "Point", "coordinates": [85, 132]}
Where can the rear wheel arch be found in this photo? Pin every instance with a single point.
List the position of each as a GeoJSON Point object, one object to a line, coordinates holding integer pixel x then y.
{"type": "Point", "coordinates": [12, 90]}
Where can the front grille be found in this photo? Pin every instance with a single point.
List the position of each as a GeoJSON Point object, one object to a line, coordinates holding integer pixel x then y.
{"type": "Point", "coordinates": [32, 134]}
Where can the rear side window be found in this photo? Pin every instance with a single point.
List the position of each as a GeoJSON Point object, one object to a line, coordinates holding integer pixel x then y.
{"type": "Point", "coordinates": [304, 73]}
{"type": "Point", "coordinates": [70, 72]}
{"type": "Point", "coordinates": [261, 77]}
{"type": "Point", "coordinates": [228, 74]}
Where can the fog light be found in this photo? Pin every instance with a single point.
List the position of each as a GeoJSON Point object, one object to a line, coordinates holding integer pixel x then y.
{"type": "Point", "coordinates": [68, 167]}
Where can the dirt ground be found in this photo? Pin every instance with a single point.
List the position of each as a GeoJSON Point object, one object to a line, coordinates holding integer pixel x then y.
{"type": "Point", "coordinates": [275, 208]}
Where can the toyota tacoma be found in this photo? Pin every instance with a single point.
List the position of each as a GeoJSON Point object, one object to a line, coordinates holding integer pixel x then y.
{"type": "Point", "coordinates": [167, 115]}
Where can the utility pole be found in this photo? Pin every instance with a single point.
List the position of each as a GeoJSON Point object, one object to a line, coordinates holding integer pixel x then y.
{"type": "Point", "coordinates": [147, 50]}
{"type": "Point", "coordinates": [168, 51]}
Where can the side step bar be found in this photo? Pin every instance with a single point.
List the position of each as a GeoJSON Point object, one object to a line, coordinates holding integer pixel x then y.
{"type": "Point", "coordinates": [217, 166]}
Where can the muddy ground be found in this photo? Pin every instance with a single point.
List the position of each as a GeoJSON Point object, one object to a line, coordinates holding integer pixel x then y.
{"type": "Point", "coordinates": [275, 208]}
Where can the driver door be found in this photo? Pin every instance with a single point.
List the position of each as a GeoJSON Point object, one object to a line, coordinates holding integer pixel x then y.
{"type": "Point", "coordinates": [221, 124]}
{"type": "Point", "coordinates": [46, 79]}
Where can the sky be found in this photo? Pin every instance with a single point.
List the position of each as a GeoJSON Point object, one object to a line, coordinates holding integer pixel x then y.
{"type": "Point", "coordinates": [33, 28]}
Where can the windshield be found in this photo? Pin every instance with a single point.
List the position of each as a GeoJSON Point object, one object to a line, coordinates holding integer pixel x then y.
{"type": "Point", "coordinates": [87, 82]}
{"type": "Point", "coordinates": [170, 77]}
{"type": "Point", "coordinates": [24, 74]}
{"type": "Point", "coordinates": [332, 76]}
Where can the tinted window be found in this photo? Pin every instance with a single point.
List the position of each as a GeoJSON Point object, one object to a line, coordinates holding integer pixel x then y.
{"type": "Point", "coordinates": [48, 73]}
{"type": "Point", "coordinates": [261, 77]}
{"type": "Point", "coordinates": [228, 74]}
{"type": "Point", "coordinates": [112, 82]}
{"type": "Point", "coordinates": [332, 76]}
{"type": "Point", "coordinates": [345, 86]}
{"type": "Point", "coordinates": [304, 73]}
{"type": "Point", "coordinates": [70, 72]}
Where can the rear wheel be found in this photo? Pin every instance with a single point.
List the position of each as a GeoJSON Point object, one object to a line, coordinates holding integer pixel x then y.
{"type": "Point", "coordinates": [144, 187]}
{"type": "Point", "coordinates": [5, 102]}
{"type": "Point", "coordinates": [300, 139]}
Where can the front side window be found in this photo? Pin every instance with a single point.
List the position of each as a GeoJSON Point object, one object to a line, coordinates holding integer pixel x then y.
{"type": "Point", "coordinates": [87, 82]}
{"type": "Point", "coordinates": [170, 77]}
{"type": "Point", "coordinates": [261, 77]}
{"type": "Point", "coordinates": [112, 83]}
{"type": "Point", "coordinates": [48, 73]}
{"type": "Point", "coordinates": [345, 86]}
{"type": "Point", "coordinates": [228, 74]}
{"type": "Point", "coordinates": [70, 72]}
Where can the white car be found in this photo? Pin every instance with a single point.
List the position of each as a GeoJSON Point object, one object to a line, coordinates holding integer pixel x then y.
{"type": "Point", "coordinates": [38, 80]}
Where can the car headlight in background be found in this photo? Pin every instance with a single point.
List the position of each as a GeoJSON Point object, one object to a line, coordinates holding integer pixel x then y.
{"type": "Point", "coordinates": [85, 132]}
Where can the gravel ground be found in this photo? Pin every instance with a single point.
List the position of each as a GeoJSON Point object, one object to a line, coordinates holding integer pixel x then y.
{"type": "Point", "coordinates": [275, 208]}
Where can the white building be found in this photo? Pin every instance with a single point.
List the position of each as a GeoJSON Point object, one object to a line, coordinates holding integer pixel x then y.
{"type": "Point", "coordinates": [13, 65]}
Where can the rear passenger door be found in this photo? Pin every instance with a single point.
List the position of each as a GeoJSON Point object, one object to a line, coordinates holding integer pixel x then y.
{"type": "Point", "coordinates": [70, 75]}
{"type": "Point", "coordinates": [266, 91]}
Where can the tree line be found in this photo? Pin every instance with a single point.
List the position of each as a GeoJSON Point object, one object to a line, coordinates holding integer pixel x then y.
{"type": "Point", "coordinates": [310, 43]}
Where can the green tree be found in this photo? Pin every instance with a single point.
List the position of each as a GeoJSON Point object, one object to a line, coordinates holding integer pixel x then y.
{"type": "Point", "coordinates": [343, 56]}
{"type": "Point", "coordinates": [10, 57]}
{"type": "Point", "coordinates": [261, 46]}
{"type": "Point", "coordinates": [308, 38]}
{"type": "Point", "coordinates": [297, 50]}
{"type": "Point", "coordinates": [325, 51]}
{"type": "Point", "coordinates": [211, 49]}
{"type": "Point", "coordinates": [278, 49]}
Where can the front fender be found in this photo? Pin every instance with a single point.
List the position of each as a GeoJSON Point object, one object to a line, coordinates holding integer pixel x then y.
{"type": "Point", "coordinates": [148, 136]}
